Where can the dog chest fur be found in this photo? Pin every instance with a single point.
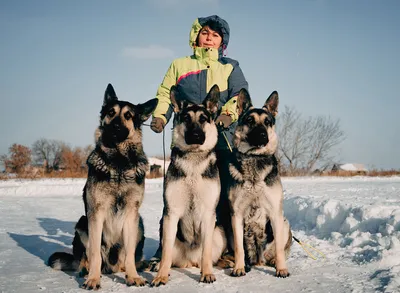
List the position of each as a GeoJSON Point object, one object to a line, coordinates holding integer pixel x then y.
{"type": "Point", "coordinates": [193, 190]}
{"type": "Point", "coordinates": [257, 187]}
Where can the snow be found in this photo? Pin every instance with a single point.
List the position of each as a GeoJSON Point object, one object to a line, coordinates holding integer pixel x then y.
{"type": "Point", "coordinates": [354, 221]}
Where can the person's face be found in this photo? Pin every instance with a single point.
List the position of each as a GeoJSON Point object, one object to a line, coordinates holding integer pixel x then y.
{"type": "Point", "coordinates": [209, 38]}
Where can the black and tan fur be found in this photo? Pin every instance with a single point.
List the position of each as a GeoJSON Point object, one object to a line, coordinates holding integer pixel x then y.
{"type": "Point", "coordinates": [262, 235]}
{"type": "Point", "coordinates": [110, 237]}
{"type": "Point", "coordinates": [192, 188]}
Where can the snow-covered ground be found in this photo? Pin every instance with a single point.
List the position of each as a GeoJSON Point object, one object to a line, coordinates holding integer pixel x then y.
{"type": "Point", "coordinates": [354, 221]}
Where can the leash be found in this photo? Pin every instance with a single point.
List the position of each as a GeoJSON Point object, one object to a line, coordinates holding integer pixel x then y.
{"type": "Point", "coordinates": [303, 245]}
{"type": "Point", "coordinates": [227, 141]}
{"type": "Point", "coordinates": [163, 145]}
{"type": "Point", "coordinates": [221, 125]}
{"type": "Point", "coordinates": [163, 136]}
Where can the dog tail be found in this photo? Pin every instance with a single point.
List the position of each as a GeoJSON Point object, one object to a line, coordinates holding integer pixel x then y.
{"type": "Point", "coordinates": [63, 261]}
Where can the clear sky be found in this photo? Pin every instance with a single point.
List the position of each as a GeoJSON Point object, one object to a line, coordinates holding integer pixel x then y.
{"type": "Point", "coordinates": [335, 58]}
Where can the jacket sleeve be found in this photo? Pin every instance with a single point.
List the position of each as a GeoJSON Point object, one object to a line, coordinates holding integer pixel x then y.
{"type": "Point", "coordinates": [236, 81]}
{"type": "Point", "coordinates": [164, 109]}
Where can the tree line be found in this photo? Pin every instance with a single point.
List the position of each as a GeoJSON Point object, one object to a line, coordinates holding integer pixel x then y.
{"type": "Point", "coordinates": [45, 155]}
{"type": "Point", "coordinates": [305, 144]}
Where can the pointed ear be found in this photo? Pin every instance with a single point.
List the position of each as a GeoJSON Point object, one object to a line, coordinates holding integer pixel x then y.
{"type": "Point", "coordinates": [176, 103]}
{"type": "Point", "coordinates": [109, 95]}
{"type": "Point", "coordinates": [146, 109]}
{"type": "Point", "coordinates": [243, 101]}
{"type": "Point", "coordinates": [272, 103]}
{"type": "Point", "coordinates": [211, 101]}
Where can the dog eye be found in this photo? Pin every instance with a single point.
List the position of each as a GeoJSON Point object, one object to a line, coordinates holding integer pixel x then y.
{"type": "Point", "coordinates": [250, 120]}
{"type": "Point", "coordinates": [111, 112]}
{"type": "Point", "coordinates": [187, 118]}
{"type": "Point", "coordinates": [128, 115]}
{"type": "Point", "coordinates": [267, 121]}
{"type": "Point", "coordinates": [202, 119]}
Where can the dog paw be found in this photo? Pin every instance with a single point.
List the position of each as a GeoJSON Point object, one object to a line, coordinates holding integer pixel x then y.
{"type": "Point", "coordinates": [153, 266]}
{"type": "Point", "coordinates": [141, 266]}
{"type": "Point", "coordinates": [83, 273]}
{"type": "Point", "coordinates": [225, 263]}
{"type": "Point", "coordinates": [92, 284]}
{"type": "Point", "coordinates": [238, 272]}
{"type": "Point", "coordinates": [270, 263]}
{"type": "Point", "coordinates": [207, 278]}
{"type": "Point", "coordinates": [283, 273]}
{"type": "Point", "coordinates": [135, 281]}
{"type": "Point", "coordinates": [159, 280]}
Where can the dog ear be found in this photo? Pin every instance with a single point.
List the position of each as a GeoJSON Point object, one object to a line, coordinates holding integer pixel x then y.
{"type": "Point", "coordinates": [243, 101]}
{"type": "Point", "coordinates": [272, 103]}
{"type": "Point", "coordinates": [109, 95]}
{"type": "Point", "coordinates": [174, 96]}
{"type": "Point", "coordinates": [211, 101]}
{"type": "Point", "coordinates": [146, 109]}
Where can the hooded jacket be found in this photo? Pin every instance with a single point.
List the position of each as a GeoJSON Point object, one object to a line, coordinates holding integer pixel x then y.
{"type": "Point", "coordinates": [195, 75]}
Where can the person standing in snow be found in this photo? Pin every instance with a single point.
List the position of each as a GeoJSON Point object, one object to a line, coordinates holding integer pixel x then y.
{"type": "Point", "coordinates": [193, 77]}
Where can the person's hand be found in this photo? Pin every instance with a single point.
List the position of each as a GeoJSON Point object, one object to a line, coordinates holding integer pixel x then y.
{"type": "Point", "coordinates": [224, 120]}
{"type": "Point", "coordinates": [157, 125]}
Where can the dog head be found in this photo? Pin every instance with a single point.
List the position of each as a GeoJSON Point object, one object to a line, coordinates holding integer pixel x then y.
{"type": "Point", "coordinates": [121, 121]}
{"type": "Point", "coordinates": [255, 132]}
{"type": "Point", "coordinates": [195, 129]}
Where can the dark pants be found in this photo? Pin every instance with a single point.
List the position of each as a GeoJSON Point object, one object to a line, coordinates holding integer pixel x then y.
{"type": "Point", "coordinates": [224, 157]}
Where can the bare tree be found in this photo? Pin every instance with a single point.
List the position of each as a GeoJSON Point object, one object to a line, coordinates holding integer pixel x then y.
{"type": "Point", "coordinates": [48, 152]}
{"type": "Point", "coordinates": [19, 158]}
{"type": "Point", "coordinates": [73, 159]}
{"type": "Point", "coordinates": [5, 161]}
{"type": "Point", "coordinates": [293, 134]}
{"type": "Point", "coordinates": [325, 134]}
{"type": "Point", "coordinates": [305, 143]}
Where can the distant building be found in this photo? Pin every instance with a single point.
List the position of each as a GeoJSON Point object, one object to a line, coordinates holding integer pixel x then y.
{"type": "Point", "coordinates": [350, 167]}
{"type": "Point", "coordinates": [157, 167]}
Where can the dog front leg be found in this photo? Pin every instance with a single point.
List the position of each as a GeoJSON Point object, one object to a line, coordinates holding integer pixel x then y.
{"type": "Point", "coordinates": [96, 221]}
{"type": "Point", "coordinates": [170, 227]}
{"type": "Point", "coordinates": [277, 222]}
{"type": "Point", "coordinates": [237, 226]}
{"type": "Point", "coordinates": [207, 232]}
{"type": "Point", "coordinates": [130, 233]}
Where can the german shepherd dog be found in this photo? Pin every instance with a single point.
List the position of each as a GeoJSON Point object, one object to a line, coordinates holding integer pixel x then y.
{"type": "Point", "coordinates": [192, 189]}
{"type": "Point", "coordinates": [261, 234]}
{"type": "Point", "coordinates": [110, 237]}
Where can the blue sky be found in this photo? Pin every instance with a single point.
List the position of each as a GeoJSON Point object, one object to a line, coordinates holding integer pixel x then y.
{"type": "Point", "coordinates": [334, 58]}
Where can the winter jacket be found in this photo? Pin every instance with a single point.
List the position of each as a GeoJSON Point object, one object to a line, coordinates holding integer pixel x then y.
{"type": "Point", "coordinates": [195, 75]}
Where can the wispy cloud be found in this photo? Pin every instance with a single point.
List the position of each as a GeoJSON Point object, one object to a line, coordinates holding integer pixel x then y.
{"type": "Point", "coordinates": [182, 2]}
{"type": "Point", "coordinates": [149, 52]}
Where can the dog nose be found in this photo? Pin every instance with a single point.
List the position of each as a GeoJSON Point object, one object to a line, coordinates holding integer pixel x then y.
{"type": "Point", "coordinates": [263, 135]}
{"type": "Point", "coordinates": [258, 137]}
{"type": "Point", "coordinates": [194, 136]}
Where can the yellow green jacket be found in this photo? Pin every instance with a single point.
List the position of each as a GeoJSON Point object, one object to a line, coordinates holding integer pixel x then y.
{"type": "Point", "coordinates": [195, 75]}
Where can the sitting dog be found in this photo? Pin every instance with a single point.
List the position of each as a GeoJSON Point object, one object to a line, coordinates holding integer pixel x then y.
{"type": "Point", "coordinates": [110, 237]}
{"type": "Point", "coordinates": [261, 234]}
{"type": "Point", "coordinates": [192, 189]}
